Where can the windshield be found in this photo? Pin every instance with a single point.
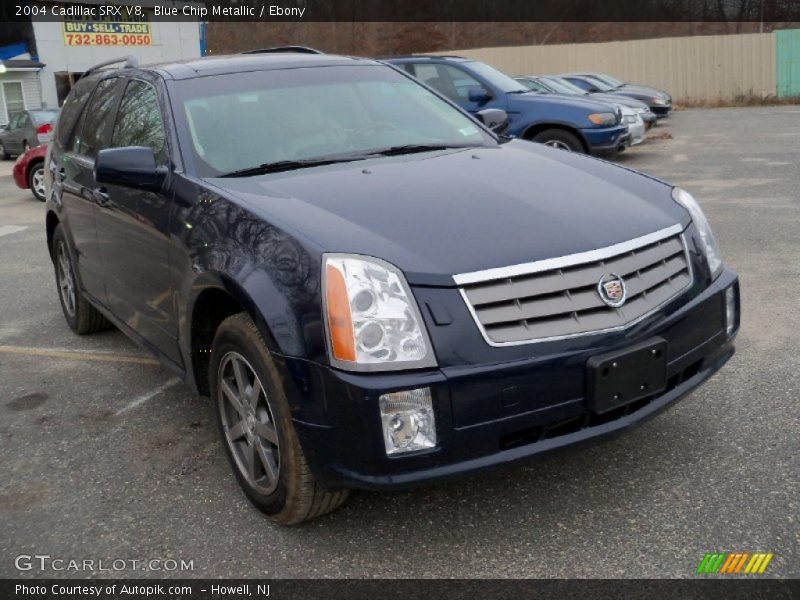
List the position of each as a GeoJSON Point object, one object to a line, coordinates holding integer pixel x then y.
{"type": "Point", "coordinates": [499, 80]}
{"type": "Point", "coordinates": [239, 121]}
{"type": "Point", "coordinates": [43, 116]}
{"type": "Point", "coordinates": [599, 83]}
{"type": "Point", "coordinates": [562, 86]}
{"type": "Point", "coordinates": [609, 79]}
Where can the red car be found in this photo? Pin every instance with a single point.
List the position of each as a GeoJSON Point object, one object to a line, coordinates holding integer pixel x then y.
{"type": "Point", "coordinates": [29, 171]}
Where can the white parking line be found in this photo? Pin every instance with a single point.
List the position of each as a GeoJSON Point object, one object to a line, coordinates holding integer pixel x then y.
{"type": "Point", "coordinates": [8, 229]}
{"type": "Point", "coordinates": [139, 400]}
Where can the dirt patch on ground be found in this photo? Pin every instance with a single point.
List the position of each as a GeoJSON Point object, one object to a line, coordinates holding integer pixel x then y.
{"type": "Point", "coordinates": [742, 100]}
{"type": "Point", "coordinates": [659, 135]}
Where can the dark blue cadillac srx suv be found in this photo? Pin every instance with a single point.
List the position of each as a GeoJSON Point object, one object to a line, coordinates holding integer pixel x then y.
{"type": "Point", "coordinates": [374, 289]}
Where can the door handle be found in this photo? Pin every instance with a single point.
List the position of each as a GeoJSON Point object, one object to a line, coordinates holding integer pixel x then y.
{"type": "Point", "coordinates": [61, 174]}
{"type": "Point", "coordinates": [100, 196]}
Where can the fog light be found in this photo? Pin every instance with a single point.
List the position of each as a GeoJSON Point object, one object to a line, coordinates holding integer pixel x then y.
{"type": "Point", "coordinates": [730, 310]}
{"type": "Point", "coordinates": [408, 421]}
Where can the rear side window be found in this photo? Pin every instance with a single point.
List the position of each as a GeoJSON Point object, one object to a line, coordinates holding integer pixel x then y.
{"type": "Point", "coordinates": [71, 111]}
{"type": "Point", "coordinates": [139, 120]}
{"type": "Point", "coordinates": [91, 132]}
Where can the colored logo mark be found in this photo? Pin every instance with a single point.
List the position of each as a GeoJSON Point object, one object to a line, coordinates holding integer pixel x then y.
{"type": "Point", "coordinates": [735, 562]}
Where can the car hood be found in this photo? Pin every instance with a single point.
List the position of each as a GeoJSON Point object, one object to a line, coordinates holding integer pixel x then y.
{"type": "Point", "coordinates": [580, 102]}
{"type": "Point", "coordinates": [435, 215]}
{"type": "Point", "coordinates": [642, 89]}
{"type": "Point", "coordinates": [619, 99]}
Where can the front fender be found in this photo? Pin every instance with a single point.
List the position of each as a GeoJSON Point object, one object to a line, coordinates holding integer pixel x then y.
{"type": "Point", "coordinates": [275, 277]}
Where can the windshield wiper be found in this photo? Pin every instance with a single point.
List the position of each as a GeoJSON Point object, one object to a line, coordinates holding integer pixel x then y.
{"type": "Point", "coordinates": [412, 148]}
{"type": "Point", "coordinates": [288, 165]}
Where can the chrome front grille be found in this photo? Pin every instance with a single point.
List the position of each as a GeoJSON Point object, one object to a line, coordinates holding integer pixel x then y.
{"type": "Point", "coordinates": [559, 298]}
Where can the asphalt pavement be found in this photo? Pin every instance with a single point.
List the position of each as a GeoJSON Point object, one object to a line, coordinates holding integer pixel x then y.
{"type": "Point", "coordinates": [105, 457]}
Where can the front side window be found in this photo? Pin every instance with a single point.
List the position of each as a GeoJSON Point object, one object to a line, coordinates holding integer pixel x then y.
{"type": "Point", "coordinates": [462, 82]}
{"type": "Point", "coordinates": [242, 120]}
{"type": "Point", "coordinates": [92, 130]}
{"type": "Point", "coordinates": [139, 120]}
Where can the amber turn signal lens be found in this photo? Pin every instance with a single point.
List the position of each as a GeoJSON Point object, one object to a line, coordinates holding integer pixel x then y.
{"type": "Point", "coordinates": [340, 321]}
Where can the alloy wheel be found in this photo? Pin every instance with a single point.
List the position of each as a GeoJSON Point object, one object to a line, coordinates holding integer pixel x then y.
{"type": "Point", "coordinates": [66, 279]}
{"type": "Point", "coordinates": [38, 182]}
{"type": "Point", "coordinates": [248, 423]}
{"type": "Point", "coordinates": [558, 144]}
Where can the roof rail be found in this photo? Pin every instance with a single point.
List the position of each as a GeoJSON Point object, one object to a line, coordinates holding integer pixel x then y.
{"type": "Point", "coordinates": [130, 62]}
{"type": "Point", "coordinates": [277, 49]}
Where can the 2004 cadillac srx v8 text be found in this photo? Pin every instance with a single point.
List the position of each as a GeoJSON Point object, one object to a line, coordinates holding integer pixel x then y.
{"type": "Point", "coordinates": [374, 288]}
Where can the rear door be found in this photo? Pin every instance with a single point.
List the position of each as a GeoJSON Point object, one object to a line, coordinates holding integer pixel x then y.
{"type": "Point", "coordinates": [75, 178]}
{"type": "Point", "coordinates": [133, 227]}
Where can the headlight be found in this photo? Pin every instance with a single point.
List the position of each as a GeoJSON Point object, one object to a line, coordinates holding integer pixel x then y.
{"type": "Point", "coordinates": [603, 118]}
{"type": "Point", "coordinates": [657, 100]}
{"type": "Point", "coordinates": [710, 247]}
{"type": "Point", "coordinates": [373, 323]}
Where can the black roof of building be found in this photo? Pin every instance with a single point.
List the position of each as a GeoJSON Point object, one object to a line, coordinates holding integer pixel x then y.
{"type": "Point", "coordinates": [15, 64]}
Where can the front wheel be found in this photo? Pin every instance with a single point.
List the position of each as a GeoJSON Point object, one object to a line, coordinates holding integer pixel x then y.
{"type": "Point", "coordinates": [559, 138]}
{"type": "Point", "coordinates": [256, 428]}
{"type": "Point", "coordinates": [36, 181]}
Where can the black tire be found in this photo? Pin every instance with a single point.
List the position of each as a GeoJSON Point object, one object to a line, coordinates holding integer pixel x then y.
{"type": "Point", "coordinates": [3, 154]}
{"type": "Point", "coordinates": [36, 170]}
{"type": "Point", "coordinates": [559, 138]}
{"type": "Point", "coordinates": [291, 495]}
{"type": "Point", "coordinates": [81, 316]}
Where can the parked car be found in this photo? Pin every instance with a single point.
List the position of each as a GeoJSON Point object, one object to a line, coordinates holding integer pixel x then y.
{"type": "Point", "coordinates": [375, 290]}
{"type": "Point", "coordinates": [622, 85]}
{"type": "Point", "coordinates": [659, 103]}
{"type": "Point", "coordinates": [28, 171]}
{"type": "Point", "coordinates": [575, 124]}
{"type": "Point", "coordinates": [551, 84]}
{"type": "Point", "coordinates": [633, 121]}
{"type": "Point", "coordinates": [26, 130]}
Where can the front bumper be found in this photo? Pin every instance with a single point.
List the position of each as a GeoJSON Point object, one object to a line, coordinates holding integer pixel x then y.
{"type": "Point", "coordinates": [480, 424]}
{"type": "Point", "coordinates": [604, 141]}
{"type": "Point", "coordinates": [660, 110]}
{"type": "Point", "coordinates": [20, 175]}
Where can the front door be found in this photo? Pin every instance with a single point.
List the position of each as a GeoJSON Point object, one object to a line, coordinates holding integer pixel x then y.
{"type": "Point", "coordinates": [133, 226]}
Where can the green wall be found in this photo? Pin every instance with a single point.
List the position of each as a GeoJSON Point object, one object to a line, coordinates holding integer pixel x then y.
{"type": "Point", "coordinates": [787, 62]}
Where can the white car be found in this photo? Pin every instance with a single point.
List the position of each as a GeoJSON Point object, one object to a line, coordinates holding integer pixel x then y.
{"type": "Point", "coordinates": [633, 120]}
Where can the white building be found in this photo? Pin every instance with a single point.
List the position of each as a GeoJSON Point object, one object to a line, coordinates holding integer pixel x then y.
{"type": "Point", "coordinates": [64, 49]}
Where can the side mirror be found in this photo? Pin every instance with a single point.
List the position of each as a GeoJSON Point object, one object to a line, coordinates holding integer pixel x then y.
{"type": "Point", "coordinates": [131, 166]}
{"type": "Point", "coordinates": [479, 95]}
{"type": "Point", "coordinates": [495, 119]}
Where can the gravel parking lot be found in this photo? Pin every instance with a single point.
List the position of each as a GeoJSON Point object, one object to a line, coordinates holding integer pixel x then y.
{"type": "Point", "coordinates": [106, 456]}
